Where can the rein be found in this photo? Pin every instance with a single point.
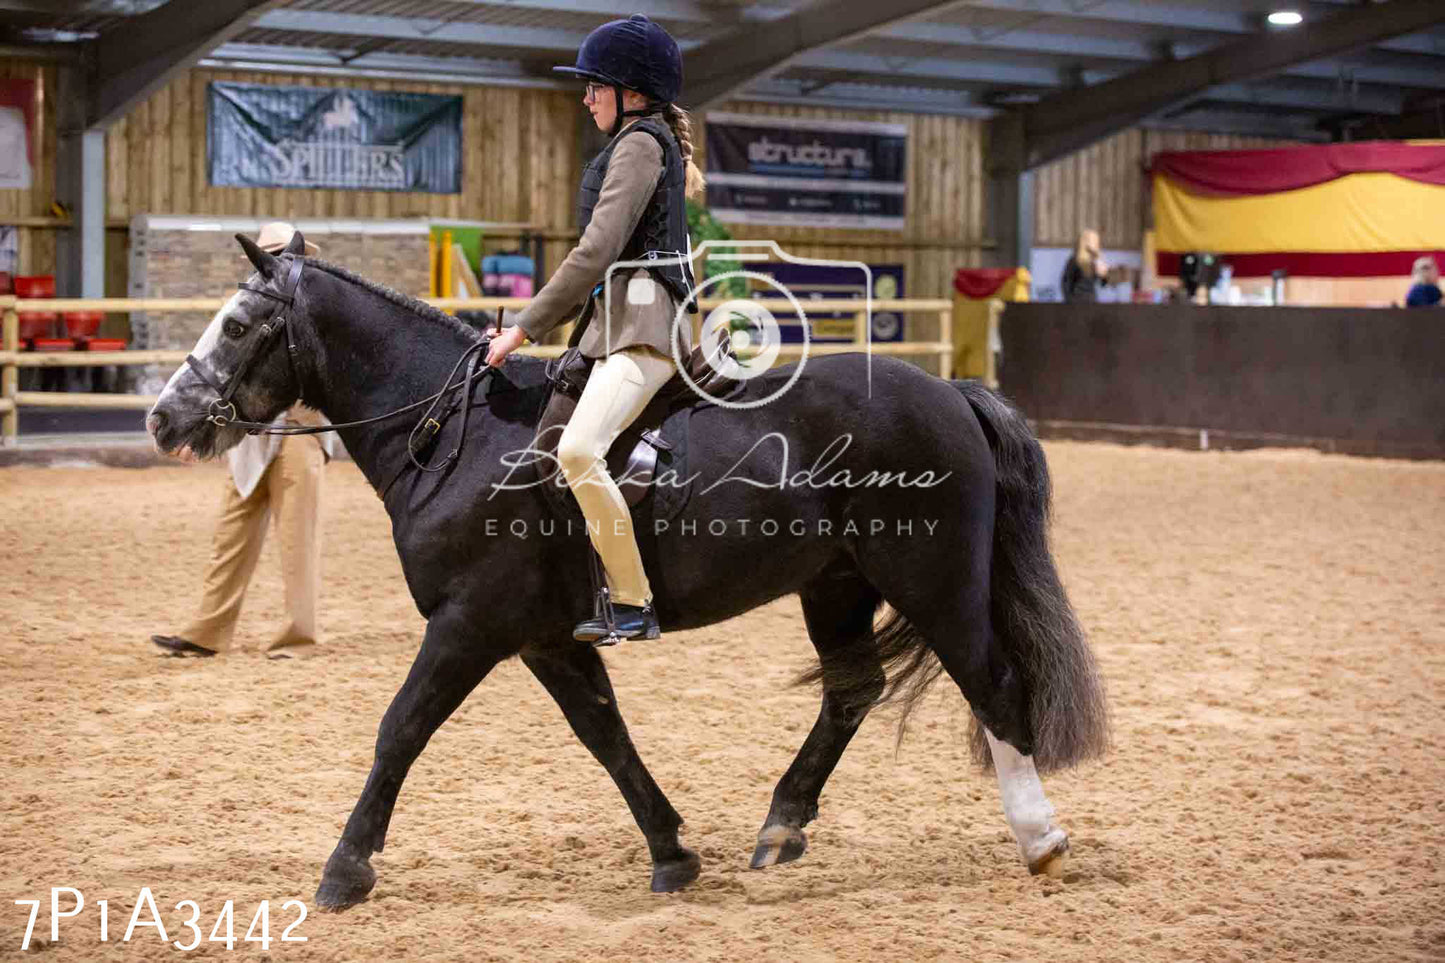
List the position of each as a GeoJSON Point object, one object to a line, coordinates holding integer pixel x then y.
{"type": "Point", "coordinates": [427, 427]}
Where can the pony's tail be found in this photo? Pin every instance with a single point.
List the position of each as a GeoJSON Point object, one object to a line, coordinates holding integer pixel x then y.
{"type": "Point", "coordinates": [1032, 618]}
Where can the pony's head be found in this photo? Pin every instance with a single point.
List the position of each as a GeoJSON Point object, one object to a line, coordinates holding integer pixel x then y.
{"type": "Point", "coordinates": [240, 369]}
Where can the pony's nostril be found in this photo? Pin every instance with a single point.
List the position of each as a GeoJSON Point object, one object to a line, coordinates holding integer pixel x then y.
{"type": "Point", "coordinates": [156, 422]}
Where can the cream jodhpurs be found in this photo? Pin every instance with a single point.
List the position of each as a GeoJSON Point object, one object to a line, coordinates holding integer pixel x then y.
{"type": "Point", "coordinates": [619, 388]}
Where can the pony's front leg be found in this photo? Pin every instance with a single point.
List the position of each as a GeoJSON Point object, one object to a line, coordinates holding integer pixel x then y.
{"type": "Point", "coordinates": [575, 676]}
{"type": "Point", "coordinates": [1043, 845]}
{"type": "Point", "coordinates": [447, 668]}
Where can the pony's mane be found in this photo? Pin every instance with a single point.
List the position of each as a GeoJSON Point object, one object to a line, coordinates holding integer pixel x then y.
{"type": "Point", "coordinates": [396, 297]}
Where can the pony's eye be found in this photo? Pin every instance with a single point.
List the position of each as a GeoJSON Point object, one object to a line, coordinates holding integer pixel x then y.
{"type": "Point", "coordinates": [234, 329]}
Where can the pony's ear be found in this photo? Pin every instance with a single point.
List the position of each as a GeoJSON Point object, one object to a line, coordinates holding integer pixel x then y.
{"type": "Point", "coordinates": [297, 244]}
{"type": "Point", "coordinates": [263, 262]}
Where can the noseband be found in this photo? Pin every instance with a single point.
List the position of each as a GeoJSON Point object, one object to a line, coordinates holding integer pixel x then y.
{"type": "Point", "coordinates": [223, 411]}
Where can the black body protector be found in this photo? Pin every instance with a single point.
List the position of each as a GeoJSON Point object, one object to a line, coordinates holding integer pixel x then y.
{"type": "Point", "coordinates": [661, 232]}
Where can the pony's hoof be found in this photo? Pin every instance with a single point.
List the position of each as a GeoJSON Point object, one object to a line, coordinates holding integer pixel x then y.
{"type": "Point", "coordinates": [673, 874]}
{"type": "Point", "coordinates": [345, 881]}
{"type": "Point", "coordinates": [1051, 864]}
{"type": "Point", "coordinates": [778, 844]}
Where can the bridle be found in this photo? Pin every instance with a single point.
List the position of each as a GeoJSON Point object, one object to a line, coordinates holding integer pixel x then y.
{"type": "Point", "coordinates": [217, 413]}
{"type": "Point", "coordinates": [223, 411]}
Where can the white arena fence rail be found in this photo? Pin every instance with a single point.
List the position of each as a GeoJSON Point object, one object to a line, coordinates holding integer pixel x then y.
{"type": "Point", "coordinates": [12, 359]}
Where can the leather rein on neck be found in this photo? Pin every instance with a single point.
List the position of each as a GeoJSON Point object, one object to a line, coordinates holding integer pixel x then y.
{"type": "Point", "coordinates": [224, 412]}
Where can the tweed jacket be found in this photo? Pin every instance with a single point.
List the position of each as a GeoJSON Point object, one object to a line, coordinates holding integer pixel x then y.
{"type": "Point", "coordinates": [639, 311]}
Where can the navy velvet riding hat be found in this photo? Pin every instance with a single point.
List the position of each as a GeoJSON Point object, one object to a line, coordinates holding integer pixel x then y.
{"type": "Point", "coordinates": [634, 53]}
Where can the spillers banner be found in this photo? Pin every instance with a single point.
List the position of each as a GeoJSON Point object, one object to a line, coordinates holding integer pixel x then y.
{"type": "Point", "coordinates": [815, 173]}
{"type": "Point", "coordinates": [260, 136]}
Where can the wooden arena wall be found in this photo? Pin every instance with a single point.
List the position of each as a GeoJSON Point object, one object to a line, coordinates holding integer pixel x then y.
{"type": "Point", "coordinates": [1358, 380]}
{"type": "Point", "coordinates": [1106, 187]}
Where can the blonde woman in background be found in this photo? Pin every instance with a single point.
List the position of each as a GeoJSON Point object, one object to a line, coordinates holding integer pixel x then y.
{"type": "Point", "coordinates": [1426, 290]}
{"type": "Point", "coordinates": [271, 475]}
{"type": "Point", "coordinates": [1085, 271]}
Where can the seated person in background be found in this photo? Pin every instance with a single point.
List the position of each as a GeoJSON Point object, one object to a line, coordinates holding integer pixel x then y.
{"type": "Point", "coordinates": [1085, 270]}
{"type": "Point", "coordinates": [1426, 292]}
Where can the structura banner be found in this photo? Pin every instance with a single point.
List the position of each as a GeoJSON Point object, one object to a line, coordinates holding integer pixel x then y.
{"type": "Point", "coordinates": [816, 173]}
{"type": "Point", "coordinates": [264, 136]}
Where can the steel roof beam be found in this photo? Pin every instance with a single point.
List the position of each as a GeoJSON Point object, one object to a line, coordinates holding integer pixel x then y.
{"type": "Point", "coordinates": [835, 67]}
{"type": "Point", "coordinates": [141, 54]}
{"type": "Point", "coordinates": [539, 39]}
{"type": "Point", "coordinates": [1221, 119]}
{"type": "Point", "coordinates": [1135, 13]}
{"type": "Point", "coordinates": [1066, 122]}
{"type": "Point", "coordinates": [497, 39]}
{"type": "Point", "coordinates": [720, 68]}
{"type": "Point", "coordinates": [1367, 100]}
{"type": "Point", "coordinates": [380, 60]}
{"type": "Point", "coordinates": [938, 68]}
{"type": "Point", "coordinates": [1064, 44]}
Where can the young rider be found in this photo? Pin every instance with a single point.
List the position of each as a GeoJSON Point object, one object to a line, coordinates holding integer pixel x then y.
{"type": "Point", "coordinates": [631, 206]}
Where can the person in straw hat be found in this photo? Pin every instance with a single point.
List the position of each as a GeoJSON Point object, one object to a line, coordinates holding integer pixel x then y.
{"type": "Point", "coordinates": [273, 475]}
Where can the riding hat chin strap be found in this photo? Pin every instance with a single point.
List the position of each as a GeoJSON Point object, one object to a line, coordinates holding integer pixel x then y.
{"type": "Point", "coordinates": [223, 411]}
{"type": "Point", "coordinates": [617, 122]}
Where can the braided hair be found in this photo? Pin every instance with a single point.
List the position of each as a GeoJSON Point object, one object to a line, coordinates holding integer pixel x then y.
{"type": "Point", "coordinates": [681, 126]}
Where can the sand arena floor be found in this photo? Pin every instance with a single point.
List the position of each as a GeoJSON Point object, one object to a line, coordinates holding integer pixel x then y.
{"type": "Point", "coordinates": [1270, 625]}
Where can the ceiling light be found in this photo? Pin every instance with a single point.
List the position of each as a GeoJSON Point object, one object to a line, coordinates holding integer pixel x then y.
{"type": "Point", "coordinates": [1286, 18]}
{"type": "Point", "coordinates": [49, 35]}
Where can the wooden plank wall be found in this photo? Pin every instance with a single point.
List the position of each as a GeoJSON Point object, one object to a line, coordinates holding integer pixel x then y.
{"type": "Point", "coordinates": [519, 145]}
{"type": "Point", "coordinates": [519, 148]}
{"type": "Point", "coordinates": [36, 243]}
{"type": "Point", "coordinates": [1105, 186]}
{"type": "Point", "coordinates": [522, 161]}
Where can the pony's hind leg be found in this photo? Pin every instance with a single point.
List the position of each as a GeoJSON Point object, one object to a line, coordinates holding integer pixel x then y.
{"type": "Point", "coordinates": [839, 611]}
{"type": "Point", "coordinates": [953, 618]}
{"type": "Point", "coordinates": [447, 668]}
{"type": "Point", "coordinates": [577, 680]}
{"type": "Point", "coordinates": [1028, 811]}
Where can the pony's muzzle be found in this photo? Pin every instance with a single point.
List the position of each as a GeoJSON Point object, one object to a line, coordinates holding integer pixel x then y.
{"type": "Point", "coordinates": [161, 424]}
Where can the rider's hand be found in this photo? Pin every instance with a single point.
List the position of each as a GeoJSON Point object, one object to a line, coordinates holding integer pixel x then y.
{"type": "Point", "coordinates": [504, 344]}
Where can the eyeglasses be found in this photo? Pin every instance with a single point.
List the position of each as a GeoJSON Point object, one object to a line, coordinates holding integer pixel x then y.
{"type": "Point", "coordinates": [595, 90]}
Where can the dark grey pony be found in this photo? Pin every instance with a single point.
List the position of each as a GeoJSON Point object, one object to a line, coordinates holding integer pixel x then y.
{"type": "Point", "coordinates": [929, 495]}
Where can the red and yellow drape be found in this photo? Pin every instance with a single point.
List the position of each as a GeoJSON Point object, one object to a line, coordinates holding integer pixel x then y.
{"type": "Point", "coordinates": [1348, 210]}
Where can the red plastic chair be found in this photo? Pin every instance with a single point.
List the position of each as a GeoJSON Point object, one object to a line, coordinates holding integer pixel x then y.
{"type": "Point", "coordinates": [36, 324]}
{"type": "Point", "coordinates": [83, 324]}
{"type": "Point", "coordinates": [35, 286]}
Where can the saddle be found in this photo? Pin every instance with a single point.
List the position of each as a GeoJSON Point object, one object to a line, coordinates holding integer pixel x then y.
{"type": "Point", "coordinates": [652, 447]}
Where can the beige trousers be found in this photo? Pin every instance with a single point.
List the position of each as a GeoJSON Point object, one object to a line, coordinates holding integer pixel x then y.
{"type": "Point", "coordinates": [290, 492]}
{"type": "Point", "coordinates": [619, 387]}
